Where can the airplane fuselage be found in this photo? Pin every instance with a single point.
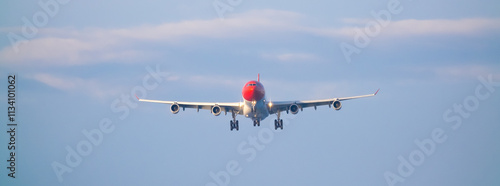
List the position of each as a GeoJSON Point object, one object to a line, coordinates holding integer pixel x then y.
{"type": "Point", "coordinates": [255, 104]}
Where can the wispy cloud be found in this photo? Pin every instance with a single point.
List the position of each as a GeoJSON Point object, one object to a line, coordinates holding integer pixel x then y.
{"type": "Point", "coordinates": [443, 26]}
{"type": "Point", "coordinates": [60, 51]}
{"type": "Point", "coordinates": [93, 87]}
{"type": "Point", "coordinates": [457, 73]}
{"type": "Point", "coordinates": [213, 81]}
{"type": "Point", "coordinates": [291, 57]}
{"type": "Point", "coordinates": [240, 25]}
{"type": "Point", "coordinates": [413, 27]}
{"type": "Point", "coordinates": [65, 46]}
{"type": "Point", "coordinates": [104, 87]}
{"type": "Point", "coordinates": [454, 73]}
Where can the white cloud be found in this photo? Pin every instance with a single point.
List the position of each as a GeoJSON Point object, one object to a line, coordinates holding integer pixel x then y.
{"type": "Point", "coordinates": [443, 26]}
{"type": "Point", "coordinates": [291, 57]}
{"type": "Point", "coordinates": [413, 27]}
{"type": "Point", "coordinates": [65, 46]}
{"type": "Point", "coordinates": [104, 87]}
{"type": "Point", "coordinates": [49, 51]}
{"type": "Point", "coordinates": [213, 81]}
{"type": "Point", "coordinates": [58, 83]}
{"type": "Point", "coordinates": [458, 72]}
{"type": "Point", "coordinates": [239, 25]}
{"type": "Point", "coordinates": [93, 87]}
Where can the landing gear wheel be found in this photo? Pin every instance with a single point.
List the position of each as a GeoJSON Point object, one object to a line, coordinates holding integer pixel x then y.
{"type": "Point", "coordinates": [234, 122]}
{"type": "Point", "coordinates": [234, 125]}
{"type": "Point", "coordinates": [256, 123]}
{"type": "Point", "coordinates": [278, 124]}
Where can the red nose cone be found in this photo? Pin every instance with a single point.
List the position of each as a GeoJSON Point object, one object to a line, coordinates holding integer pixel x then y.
{"type": "Point", "coordinates": [253, 91]}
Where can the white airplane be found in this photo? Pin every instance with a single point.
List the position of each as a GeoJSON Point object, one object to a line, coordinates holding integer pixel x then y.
{"type": "Point", "coordinates": [255, 106]}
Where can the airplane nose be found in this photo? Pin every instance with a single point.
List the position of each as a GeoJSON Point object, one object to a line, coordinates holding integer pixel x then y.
{"type": "Point", "coordinates": [249, 93]}
{"type": "Point", "coordinates": [253, 93]}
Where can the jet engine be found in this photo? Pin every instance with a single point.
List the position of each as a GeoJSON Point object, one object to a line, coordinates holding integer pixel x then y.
{"type": "Point", "coordinates": [337, 105]}
{"type": "Point", "coordinates": [175, 108]}
{"type": "Point", "coordinates": [216, 110]}
{"type": "Point", "coordinates": [294, 108]}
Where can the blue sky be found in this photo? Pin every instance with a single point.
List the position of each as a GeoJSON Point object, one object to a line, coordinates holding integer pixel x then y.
{"type": "Point", "coordinates": [86, 58]}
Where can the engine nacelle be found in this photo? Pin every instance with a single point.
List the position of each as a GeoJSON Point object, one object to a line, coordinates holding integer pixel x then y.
{"type": "Point", "coordinates": [337, 105]}
{"type": "Point", "coordinates": [175, 108]}
{"type": "Point", "coordinates": [216, 110]}
{"type": "Point", "coordinates": [294, 108]}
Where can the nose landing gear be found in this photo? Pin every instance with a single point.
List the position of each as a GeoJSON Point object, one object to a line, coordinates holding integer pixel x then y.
{"type": "Point", "coordinates": [256, 123]}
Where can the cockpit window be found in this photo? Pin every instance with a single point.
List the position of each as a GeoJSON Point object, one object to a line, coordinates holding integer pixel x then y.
{"type": "Point", "coordinates": [251, 85]}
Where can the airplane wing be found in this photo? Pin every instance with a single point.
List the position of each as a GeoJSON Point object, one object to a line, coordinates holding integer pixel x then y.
{"type": "Point", "coordinates": [215, 108]}
{"type": "Point", "coordinates": [294, 106]}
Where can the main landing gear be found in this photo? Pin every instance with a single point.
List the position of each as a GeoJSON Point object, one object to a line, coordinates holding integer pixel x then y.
{"type": "Point", "coordinates": [278, 123]}
{"type": "Point", "coordinates": [234, 123]}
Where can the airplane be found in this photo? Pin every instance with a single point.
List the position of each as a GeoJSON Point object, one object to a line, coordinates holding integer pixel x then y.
{"type": "Point", "coordinates": [255, 105]}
